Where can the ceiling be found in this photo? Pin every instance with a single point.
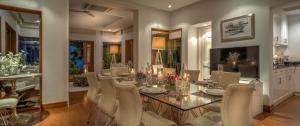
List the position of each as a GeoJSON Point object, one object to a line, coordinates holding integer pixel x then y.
{"type": "Point", "coordinates": [26, 20]}
{"type": "Point", "coordinates": [104, 18]}
{"type": "Point", "coordinates": [163, 4]}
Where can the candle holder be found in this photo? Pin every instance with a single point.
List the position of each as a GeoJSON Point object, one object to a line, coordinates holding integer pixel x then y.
{"type": "Point", "coordinates": [182, 87]}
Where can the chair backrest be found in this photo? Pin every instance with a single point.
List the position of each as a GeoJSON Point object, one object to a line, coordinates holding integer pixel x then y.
{"type": "Point", "coordinates": [94, 87]}
{"type": "Point", "coordinates": [226, 78]}
{"type": "Point", "coordinates": [236, 105]}
{"type": "Point", "coordinates": [155, 68]}
{"type": "Point", "coordinates": [106, 72]}
{"type": "Point", "coordinates": [108, 98]}
{"type": "Point", "coordinates": [118, 65]}
{"type": "Point", "coordinates": [168, 71]}
{"type": "Point", "coordinates": [115, 71]}
{"type": "Point", "coordinates": [194, 75]}
{"type": "Point", "coordinates": [130, 106]}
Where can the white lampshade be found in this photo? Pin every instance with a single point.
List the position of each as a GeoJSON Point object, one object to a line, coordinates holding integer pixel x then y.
{"type": "Point", "coordinates": [159, 43]}
{"type": "Point", "coordinates": [114, 49]}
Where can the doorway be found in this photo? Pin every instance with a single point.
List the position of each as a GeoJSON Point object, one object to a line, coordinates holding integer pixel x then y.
{"type": "Point", "coordinates": [81, 55]}
{"type": "Point", "coordinates": [204, 46]}
{"type": "Point", "coordinates": [11, 39]}
{"type": "Point", "coordinates": [129, 51]}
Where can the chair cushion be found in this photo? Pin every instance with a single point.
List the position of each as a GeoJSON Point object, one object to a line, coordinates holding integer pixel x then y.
{"type": "Point", "coordinates": [213, 116]}
{"type": "Point", "coordinates": [151, 119]}
{"type": "Point", "coordinates": [215, 107]}
{"type": "Point", "coordinates": [208, 119]}
{"type": "Point", "coordinates": [8, 102]}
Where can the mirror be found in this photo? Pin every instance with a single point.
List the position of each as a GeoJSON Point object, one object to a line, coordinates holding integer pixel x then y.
{"type": "Point", "coordinates": [166, 48]}
{"type": "Point", "coordinates": [20, 59]}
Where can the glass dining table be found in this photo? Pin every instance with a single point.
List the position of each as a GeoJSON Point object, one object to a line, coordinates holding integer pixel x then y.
{"type": "Point", "coordinates": [177, 107]}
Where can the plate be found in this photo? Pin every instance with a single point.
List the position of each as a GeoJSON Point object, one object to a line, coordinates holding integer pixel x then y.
{"type": "Point", "coordinates": [215, 92]}
{"type": "Point", "coordinates": [201, 82]}
{"type": "Point", "coordinates": [123, 74]}
{"type": "Point", "coordinates": [106, 74]}
{"type": "Point", "coordinates": [153, 90]}
{"type": "Point", "coordinates": [129, 82]}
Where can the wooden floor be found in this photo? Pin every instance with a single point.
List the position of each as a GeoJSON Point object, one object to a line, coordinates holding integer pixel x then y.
{"type": "Point", "coordinates": [287, 114]}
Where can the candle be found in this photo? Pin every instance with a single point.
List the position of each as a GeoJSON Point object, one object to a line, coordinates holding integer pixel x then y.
{"type": "Point", "coordinates": [160, 75]}
{"type": "Point", "coordinates": [132, 71]}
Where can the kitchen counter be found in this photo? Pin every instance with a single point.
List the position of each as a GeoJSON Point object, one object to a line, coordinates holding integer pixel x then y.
{"type": "Point", "coordinates": [283, 67]}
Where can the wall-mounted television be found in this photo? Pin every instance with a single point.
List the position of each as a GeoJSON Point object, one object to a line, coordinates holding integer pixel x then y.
{"type": "Point", "coordinates": [237, 59]}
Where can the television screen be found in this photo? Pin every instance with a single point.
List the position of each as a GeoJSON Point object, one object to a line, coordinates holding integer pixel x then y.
{"type": "Point", "coordinates": [238, 59]}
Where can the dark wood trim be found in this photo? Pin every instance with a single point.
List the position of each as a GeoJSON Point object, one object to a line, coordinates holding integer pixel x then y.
{"type": "Point", "coordinates": [10, 39]}
{"type": "Point", "coordinates": [38, 12]}
{"type": "Point", "coordinates": [267, 108]}
{"type": "Point", "coordinates": [55, 105]}
{"type": "Point", "coordinates": [129, 50]}
{"type": "Point", "coordinates": [19, 9]}
{"type": "Point", "coordinates": [0, 35]}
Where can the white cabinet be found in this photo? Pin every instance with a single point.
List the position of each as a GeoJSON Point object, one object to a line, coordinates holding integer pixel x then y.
{"type": "Point", "coordinates": [283, 84]}
{"type": "Point", "coordinates": [280, 27]}
{"type": "Point", "coordinates": [297, 80]}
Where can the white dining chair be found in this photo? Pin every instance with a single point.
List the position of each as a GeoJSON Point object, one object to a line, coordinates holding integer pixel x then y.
{"type": "Point", "coordinates": [194, 75]}
{"type": "Point", "coordinates": [130, 112]}
{"type": "Point", "coordinates": [225, 78]}
{"type": "Point", "coordinates": [116, 71]}
{"type": "Point", "coordinates": [93, 94]}
{"type": "Point", "coordinates": [235, 108]}
{"type": "Point", "coordinates": [108, 101]}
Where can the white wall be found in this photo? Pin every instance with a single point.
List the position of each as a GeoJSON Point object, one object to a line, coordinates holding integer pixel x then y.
{"type": "Point", "coordinates": [294, 38]}
{"type": "Point", "coordinates": [55, 45]}
{"type": "Point", "coordinates": [149, 18]}
{"type": "Point", "coordinates": [217, 11]}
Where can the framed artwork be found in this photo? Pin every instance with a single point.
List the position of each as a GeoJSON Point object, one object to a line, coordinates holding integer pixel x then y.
{"type": "Point", "coordinates": [238, 28]}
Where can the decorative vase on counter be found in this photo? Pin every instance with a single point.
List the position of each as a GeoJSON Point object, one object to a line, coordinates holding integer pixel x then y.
{"type": "Point", "coordinates": [11, 64]}
{"type": "Point", "coordinates": [14, 71]}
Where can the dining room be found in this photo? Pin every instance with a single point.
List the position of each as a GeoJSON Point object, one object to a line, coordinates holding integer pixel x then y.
{"type": "Point", "coordinates": [147, 63]}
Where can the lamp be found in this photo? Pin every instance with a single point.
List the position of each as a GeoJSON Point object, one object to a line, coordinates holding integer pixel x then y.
{"type": "Point", "coordinates": [113, 51]}
{"type": "Point", "coordinates": [158, 43]}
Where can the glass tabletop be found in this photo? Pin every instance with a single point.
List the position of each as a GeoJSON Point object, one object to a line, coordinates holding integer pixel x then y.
{"type": "Point", "coordinates": [195, 99]}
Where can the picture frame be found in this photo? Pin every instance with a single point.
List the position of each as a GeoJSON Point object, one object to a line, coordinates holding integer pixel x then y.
{"type": "Point", "coordinates": [238, 28]}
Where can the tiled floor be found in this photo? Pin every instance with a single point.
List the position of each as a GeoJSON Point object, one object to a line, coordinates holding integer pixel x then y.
{"type": "Point", "coordinates": [287, 114]}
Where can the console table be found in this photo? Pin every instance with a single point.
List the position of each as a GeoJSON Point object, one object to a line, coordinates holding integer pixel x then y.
{"type": "Point", "coordinates": [13, 79]}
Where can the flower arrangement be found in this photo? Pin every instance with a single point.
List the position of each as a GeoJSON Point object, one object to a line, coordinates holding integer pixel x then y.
{"type": "Point", "coordinates": [140, 75]}
{"type": "Point", "coordinates": [233, 57]}
{"type": "Point", "coordinates": [12, 64]}
{"type": "Point", "coordinates": [172, 78]}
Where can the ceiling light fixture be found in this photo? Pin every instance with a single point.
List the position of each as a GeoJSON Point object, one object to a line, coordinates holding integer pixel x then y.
{"type": "Point", "coordinates": [169, 6]}
{"type": "Point", "coordinates": [37, 21]}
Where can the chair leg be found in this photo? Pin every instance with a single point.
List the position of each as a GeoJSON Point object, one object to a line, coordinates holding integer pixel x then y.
{"type": "Point", "coordinates": [107, 121]}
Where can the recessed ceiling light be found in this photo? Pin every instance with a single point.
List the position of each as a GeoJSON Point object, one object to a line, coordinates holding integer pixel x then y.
{"type": "Point", "coordinates": [37, 21]}
{"type": "Point", "coordinates": [169, 6]}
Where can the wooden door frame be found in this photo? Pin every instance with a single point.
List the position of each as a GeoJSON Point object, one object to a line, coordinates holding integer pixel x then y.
{"type": "Point", "coordinates": [38, 12]}
{"type": "Point", "coordinates": [12, 42]}
{"type": "Point", "coordinates": [0, 35]}
{"type": "Point", "coordinates": [132, 41]}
